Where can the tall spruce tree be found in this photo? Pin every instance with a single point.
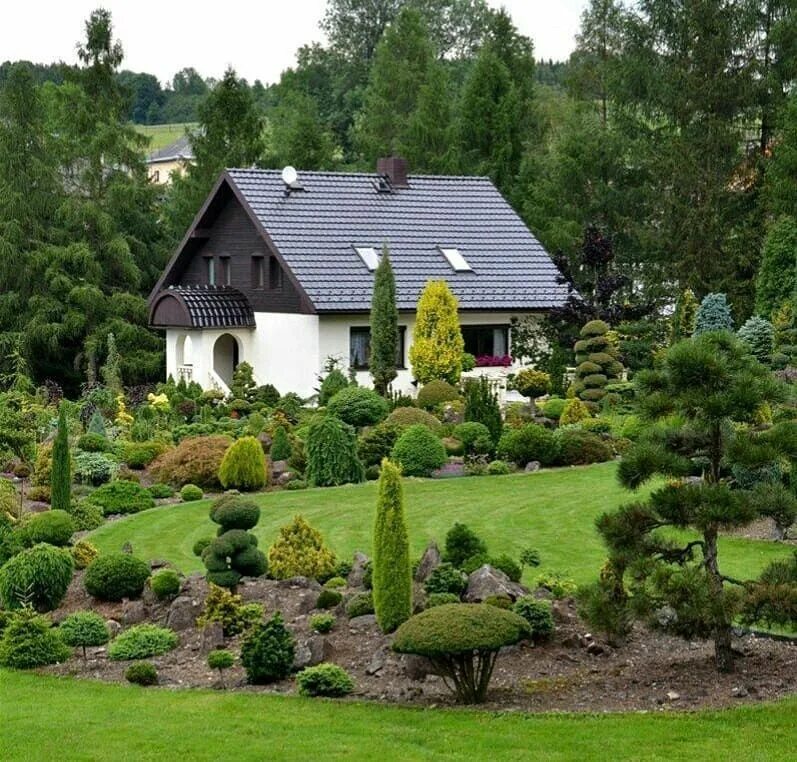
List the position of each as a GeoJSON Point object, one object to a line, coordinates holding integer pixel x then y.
{"type": "Point", "coordinates": [392, 574]}
{"type": "Point", "coordinates": [777, 275]}
{"type": "Point", "coordinates": [61, 474]}
{"type": "Point", "coordinates": [717, 388]}
{"type": "Point", "coordinates": [384, 326]}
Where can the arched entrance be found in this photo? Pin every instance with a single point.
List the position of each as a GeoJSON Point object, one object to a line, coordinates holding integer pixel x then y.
{"type": "Point", "coordinates": [226, 356]}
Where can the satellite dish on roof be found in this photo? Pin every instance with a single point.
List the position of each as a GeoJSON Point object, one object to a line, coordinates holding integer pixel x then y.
{"type": "Point", "coordinates": [289, 176]}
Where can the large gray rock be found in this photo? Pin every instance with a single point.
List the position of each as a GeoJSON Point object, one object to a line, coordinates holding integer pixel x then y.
{"type": "Point", "coordinates": [278, 468]}
{"type": "Point", "coordinates": [133, 612]}
{"type": "Point", "coordinates": [212, 637]}
{"type": "Point", "coordinates": [487, 581]}
{"type": "Point", "coordinates": [532, 467]}
{"type": "Point", "coordinates": [311, 651]}
{"type": "Point", "coordinates": [430, 560]}
{"type": "Point", "coordinates": [183, 613]}
{"type": "Point", "coordinates": [357, 572]}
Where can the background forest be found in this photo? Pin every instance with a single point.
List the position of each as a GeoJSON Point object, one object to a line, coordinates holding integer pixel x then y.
{"type": "Point", "coordinates": [661, 157]}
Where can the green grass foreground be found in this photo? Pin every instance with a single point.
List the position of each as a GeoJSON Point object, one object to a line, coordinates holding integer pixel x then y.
{"type": "Point", "coordinates": [552, 511]}
{"type": "Point", "coordinates": [66, 719]}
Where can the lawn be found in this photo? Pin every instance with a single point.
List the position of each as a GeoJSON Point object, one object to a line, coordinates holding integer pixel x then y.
{"type": "Point", "coordinates": [552, 511]}
{"type": "Point", "coordinates": [161, 135]}
{"type": "Point", "coordinates": [66, 719]}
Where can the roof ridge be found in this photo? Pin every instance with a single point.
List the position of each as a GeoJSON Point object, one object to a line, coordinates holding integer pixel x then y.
{"type": "Point", "coordinates": [369, 175]}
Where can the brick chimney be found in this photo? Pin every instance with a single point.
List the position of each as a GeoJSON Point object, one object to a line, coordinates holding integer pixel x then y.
{"type": "Point", "coordinates": [395, 168]}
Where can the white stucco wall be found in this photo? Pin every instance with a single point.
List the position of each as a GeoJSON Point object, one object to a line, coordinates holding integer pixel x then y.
{"type": "Point", "coordinates": [290, 351]}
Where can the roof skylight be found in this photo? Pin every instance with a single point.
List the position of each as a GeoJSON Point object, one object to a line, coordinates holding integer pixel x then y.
{"type": "Point", "coordinates": [369, 256]}
{"type": "Point", "coordinates": [456, 260]}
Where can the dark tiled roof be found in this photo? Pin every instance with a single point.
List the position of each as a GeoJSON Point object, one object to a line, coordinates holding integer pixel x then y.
{"type": "Point", "coordinates": [214, 306]}
{"type": "Point", "coordinates": [315, 230]}
{"type": "Point", "coordinates": [179, 149]}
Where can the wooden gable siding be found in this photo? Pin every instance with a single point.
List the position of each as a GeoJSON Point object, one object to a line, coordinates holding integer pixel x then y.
{"type": "Point", "coordinates": [233, 235]}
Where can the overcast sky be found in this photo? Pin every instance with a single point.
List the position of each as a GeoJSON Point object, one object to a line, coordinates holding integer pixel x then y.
{"type": "Point", "coordinates": [259, 39]}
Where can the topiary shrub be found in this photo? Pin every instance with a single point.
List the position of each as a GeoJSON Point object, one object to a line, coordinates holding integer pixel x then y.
{"type": "Point", "coordinates": [446, 578]}
{"type": "Point", "coordinates": [38, 577]}
{"type": "Point", "coordinates": [299, 551]}
{"type": "Point", "coordinates": [28, 641]}
{"type": "Point", "coordinates": [532, 383]}
{"type": "Point", "coordinates": [53, 527]}
{"type": "Point", "coordinates": [462, 641]}
{"type": "Point", "coordinates": [391, 577]}
{"type": "Point", "coordinates": [91, 442]}
{"type": "Point", "coordinates": [121, 497]}
{"type": "Point", "coordinates": [758, 335]}
{"type": "Point", "coordinates": [324, 680]}
{"type": "Point", "coordinates": [86, 515]}
{"type": "Point", "coordinates": [418, 451]}
{"type": "Point", "coordinates": [404, 417]}
{"type": "Point", "coordinates": [440, 599]}
{"type": "Point", "coordinates": [267, 651]}
{"type": "Point", "coordinates": [243, 466]}
{"type": "Point", "coordinates": [280, 445]}
{"type": "Point", "coordinates": [332, 454]}
{"type": "Point", "coordinates": [714, 314]}
{"type": "Point", "coordinates": [322, 623]}
{"type": "Point", "coordinates": [598, 363]}
{"type": "Point", "coordinates": [360, 604]}
{"type": "Point", "coordinates": [531, 442]}
{"type": "Point", "coordinates": [196, 460]}
{"type": "Point", "coordinates": [436, 393]}
{"type": "Point", "coordinates": [475, 438]}
{"type": "Point", "coordinates": [142, 673]}
{"type": "Point", "coordinates": [161, 491]}
{"type": "Point", "coordinates": [220, 660]}
{"type": "Point", "coordinates": [141, 642]}
{"type": "Point", "coordinates": [462, 543]}
{"type": "Point", "coordinates": [578, 447]}
{"type": "Point", "coordinates": [574, 411]}
{"type": "Point", "coordinates": [233, 553]}
{"type": "Point", "coordinates": [190, 493]}
{"type": "Point", "coordinates": [139, 455]}
{"type": "Point", "coordinates": [537, 614]}
{"type": "Point", "coordinates": [165, 583]}
{"type": "Point", "coordinates": [84, 629]}
{"type": "Point", "coordinates": [358, 406]}
{"type": "Point", "coordinates": [234, 615]}
{"type": "Point", "coordinates": [552, 408]}
{"type": "Point", "coordinates": [115, 576]}
{"type": "Point", "coordinates": [83, 553]}
{"type": "Point", "coordinates": [375, 443]}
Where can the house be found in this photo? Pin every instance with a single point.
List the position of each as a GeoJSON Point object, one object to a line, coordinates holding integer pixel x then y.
{"type": "Point", "coordinates": [174, 157]}
{"type": "Point", "coordinates": [280, 275]}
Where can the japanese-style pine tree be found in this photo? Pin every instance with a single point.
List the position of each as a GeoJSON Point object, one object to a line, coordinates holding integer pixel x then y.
{"type": "Point", "coordinates": [384, 326]}
{"type": "Point", "coordinates": [61, 474]}
{"type": "Point", "coordinates": [437, 343]}
{"type": "Point", "coordinates": [715, 388]}
{"type": "Point", "coordinates": [392, 576]}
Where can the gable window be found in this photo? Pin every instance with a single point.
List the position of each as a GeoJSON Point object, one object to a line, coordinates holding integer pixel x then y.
{"type": "Point", "coordinates": [360, 347]}
{"type": "Point", "coordinates": [454, 257]}
{"type": "Point", "coordinates": [486, 341]}
{"type": "Point", "coordinates": [224, 263]}
{"type": "Point", "coordinates": [275, 276]}
{"type": "Point", "coordinates": [210, 263]}
{"type": "Point", "coordinates": [369, 256]}
{"type": "Point", "coordinates": [258, 272]}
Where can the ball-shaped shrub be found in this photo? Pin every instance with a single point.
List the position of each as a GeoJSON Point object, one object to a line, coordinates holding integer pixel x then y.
{"type": "Point", "coordinates": [419, 451]}
{"type": "Point", "coordinates": [38, 576]}
{"type": "Point", "coordinates": [360, 604]}
{"type": "Point", "coordinates": [160, 491]}
{"type": "Point", "coordinates": [83, 553]}
{"type": "Point", "coordinates": [328, 599]}
{"type": "Point", "coordinates": [498, 468]}
{"type": "Point", "coordinates": [436, 393]}
{"type": "Point", "coordinates": [142, 673]}
{"type": "Point", "coordinates": [531, 442]}
{"type": "Point", "coordinates": [580, 448]}
{"type": "Point", "coordinates": [462, 641]}
{"type": "Point", "coordinates": [165, 583]}
{"type": "Point", "coordinates": [267, 651]}
{"type": "Point", "coordinates": [190, 493]}
{"type": "Point", "coordinates": [243, 466]}
{"type": "Point", "coordinates": [532, 383]}
{"type": "Point", "coordinates": [574, 411]}
{"type": "Point", "coordinates": [358, 406]}
{"type": "Point", "coordinates": [375, 443]}
{"type": "Point", "coordinates": [403, 417]}
{"type": "Point", "coordinates": [234, 512]}
{"type": "Point", "coordinates": [29, 641]}
{"type": "Point", "coordinates": [332, 457]}
{"type": "Point", "coordinates": [142, 642]}
{"type": "Point", "coordinates": [84, 629]}
{"type": "Point", "coordinates": [139, 455]}
{"type": "Point", "coordinates": [474, 436]}
{"type": "Point", "coordinates": [53, 527]}
{"type": "Point", "coordinates": [299, 551]}
{"type": "Point", "coordinates": [86, 515]}
{"type": "Point", "coordinates": [537, 614]}
{"type": "Point", "coordinates": [122, 497]}
{"type": "Point", "coordinates": [324, 680]}
{"type": "Point", "coordinates": [196, 460]}
{"type": "Point", "coordinates": [446, 578]}
{"type": "Point", "coordinates": [332, 383]}
{"type": "Point", "coordinates": [91, 442]}
{"type": "Point", "coordinates": [220, 659]}
{"type": "Point", "coordinates": [115, 576]}
{"type": "Point", "coordinates": [440, 599]}
{"type": "Point", "coordinates": [322, 623]}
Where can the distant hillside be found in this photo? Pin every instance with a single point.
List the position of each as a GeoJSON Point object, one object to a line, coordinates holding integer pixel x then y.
{"type": "Point", "coordinates": [161, 135]}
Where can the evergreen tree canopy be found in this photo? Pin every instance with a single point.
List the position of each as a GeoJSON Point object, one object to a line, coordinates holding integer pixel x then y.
{"type": "Point", "coordinates": [384, 326]}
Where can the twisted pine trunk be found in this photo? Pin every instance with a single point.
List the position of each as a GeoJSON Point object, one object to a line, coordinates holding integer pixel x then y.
{"type": "Point", "coordinates": [723, 653]}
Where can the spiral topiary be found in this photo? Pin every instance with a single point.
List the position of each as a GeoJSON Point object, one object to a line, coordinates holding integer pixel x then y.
{"type": "Point", "coordinates": [598, 363]}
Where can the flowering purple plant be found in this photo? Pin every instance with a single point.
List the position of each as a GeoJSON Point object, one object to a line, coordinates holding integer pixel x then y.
{"type": "Point", "coordinates": [493, 361]}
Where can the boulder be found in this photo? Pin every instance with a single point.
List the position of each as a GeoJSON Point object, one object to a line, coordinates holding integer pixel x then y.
{"type": "Point", "coordinates": [430, 560]}
{"type": "Point", "coordinates": [133, 612]}
{"type": "Point", "coordinates": [183, 613]}
{"type": "Point", "coordinates": [416, 667]}
{"type": "Point", "coordinates": [487, 581]}
{"type": "Point", "coordinates": [311, 651]}
{"type": "Point", "coordinates": [278, 468]}
{"type": "Point", "coordinates": [212, 637]}
{"type": "Point", "coordinates": [532, 466]}
{"type": "Point", "coordinates": [357, 572]}
{"type": "Point", "coordinates": [283, 479]}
